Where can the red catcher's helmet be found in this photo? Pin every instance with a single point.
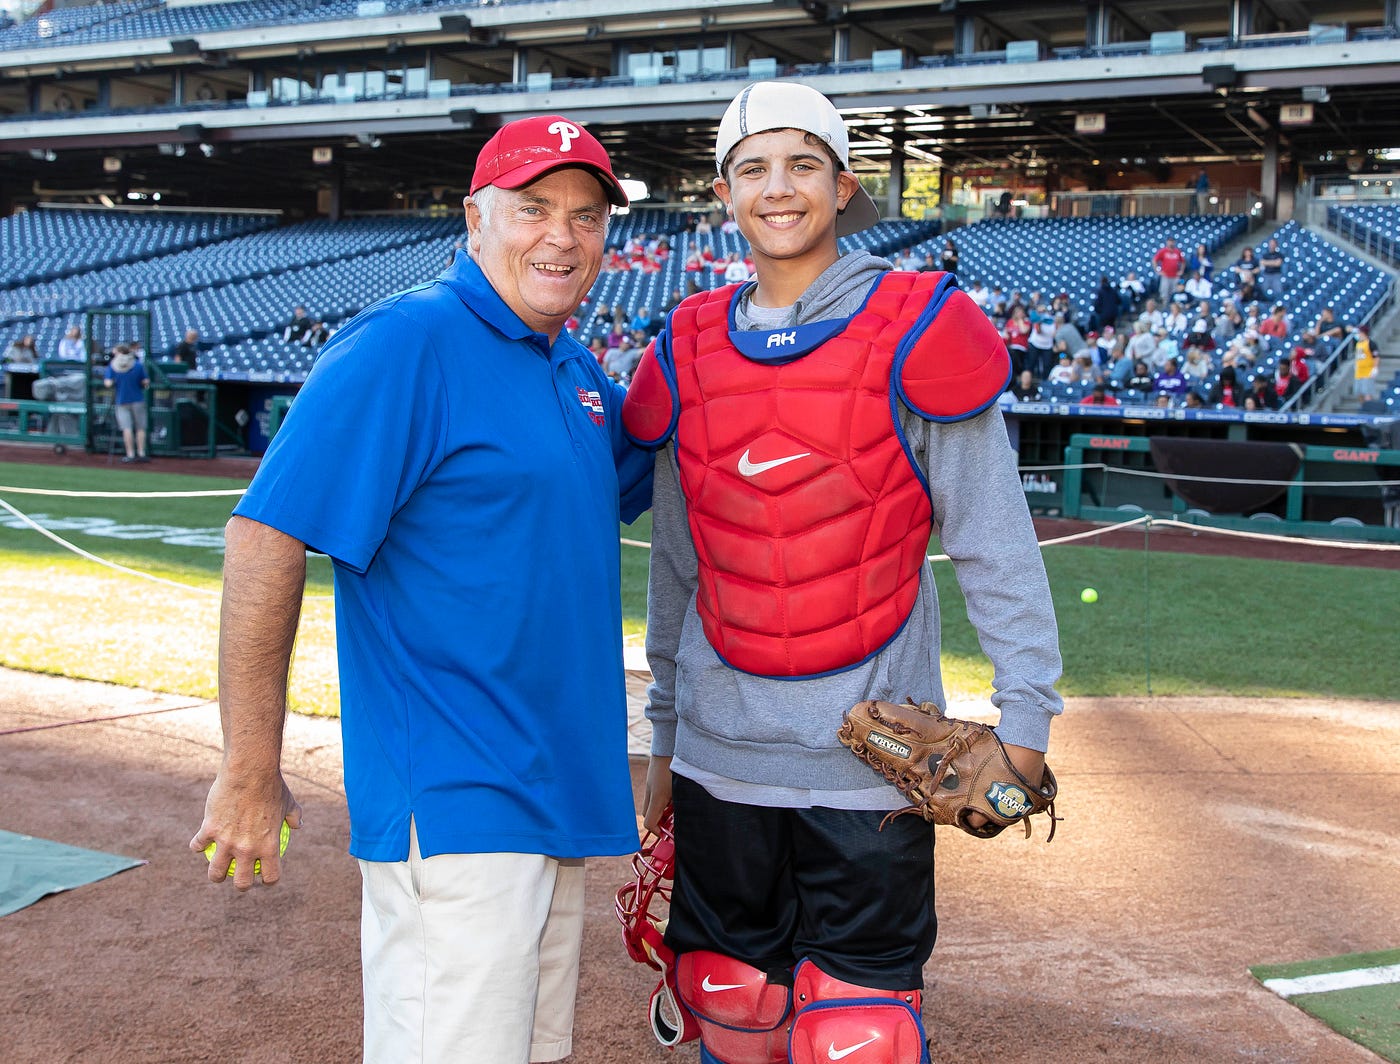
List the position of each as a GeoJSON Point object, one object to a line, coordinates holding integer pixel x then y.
{"type": "Point", "coordinates": [654, 864]}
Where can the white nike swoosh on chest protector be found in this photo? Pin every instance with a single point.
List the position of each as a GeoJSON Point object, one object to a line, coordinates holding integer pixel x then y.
{"type": "Point", "coordinates": [749, 468]}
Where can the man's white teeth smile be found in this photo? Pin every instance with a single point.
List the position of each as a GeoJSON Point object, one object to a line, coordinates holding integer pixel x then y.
{"type": "Point", "coordinates": [783, 219]}
{"type": "Point", "coordinates": [549, 267]}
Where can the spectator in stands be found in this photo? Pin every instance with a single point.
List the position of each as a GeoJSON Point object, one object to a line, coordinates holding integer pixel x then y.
{"type": "Point", "coordinates": [317, 333]}
{"type": "Point", "coordinates": [1062, 304]}
{"type": "Point", "coordinates": [1271, 270]}
{"type": "Point", "coordinates": [1106, 305]}
{"type": "Point", "coordinates": [621, 361]}
{"type": "Point", "coordinates": [1193, 401]}
{"type": "Point", "coordinates": [1307, 346]}
{"type": "Point", "coordinates": [187, 350]}
{"type": "Point", "coordinates": [729, 227]}
{"type": "Point", "coordinates": [406, 487]}
{"type": "Point", "coordinates": [996, 303]}
{"type": "Point", "coordinates": [1277, 323]}
{"type": "Point", "coordinates": [1141, 379]}
{"type": "Point", "coordinates": [1286, 382]}
{"type": "Point", "coordinates": [1196, 368]}
{"type": "Point", "coordinates": [1027, 388]}
{"type": "Point", "coordinates": [296, 328]}
{"type": "Point", "coordinates": [671, 304]}
{"type": "Point", "coordinates": [1099, 396]}
{"type": "Point", "coordinates": [1085, 374]}
{"type": "Point", "coordinates": [1299, 365]}
{"type": "Point", "coordinates": [1131, 289]}
{"type": "Point", "coordinates": [1226, 392]}
{"type": "Point", "coordinates": [1202, 192]}
{"type": "Point", "coordinates": [1327, 327]}
{"type": "Point", "coordinates": [1168, 262]}
{"type": "Point", "coordinates": [1176, 322]}
{"type": "Point", "coordinates": [735, 272]}
{"type": "Point", "coordinates": [70, 348]}
{"type": "Point", "coordinates": [703, 227]}
{"type": "Point", "coordinates": [1200, 262]}
{"type": "Point", "coordinates": [1041, 342]}
{"type": "Point", "coordinates": [1261, 394]}
{"type": "Point", "coordinates": [1246, 271]}
{"type": "Point", "coordinates": [948, 257]}
{"type": "Point", "coordinates": [1171, 381]}
{"type": "Point", "coordinates": [126, 376]}
{"type": "Point", "coordinates": [930, 264]}
{"type": "Point", "coordinates": [1366, 368]}
{"type": "Point", "coordinates": [641, 321]}
{"type": "Point", "coordinates": [1109, 341]}
{"type": "Point", "coordinates": [979, 294]}
{"type": "Point", "coordinates": [1200, 334]}
{"type": "Point", "coordinates": [1167, 348]}
{"type": "Point", "coordinates": [1120, 368]}
{"type": "Point", "coordinates": [1067, 333]}
{"type": "Point", "coordinates": [22, 351]}
{"type": "Point", "coordinates": [598, 349]}
{"type": "Point", "coordinates": [1197, 286]}
{"type": "Point", "coordinates": [616, 332]}
{"type": "Point", "coordinates": [613, 262]}
{"type": "Point", "coordinates": [1227, 324]}
{"type": "Point", "coordinates": [1152, 314]}
{"type": "Point", "coordinates": [1143, 341]}
{"type": "Point", "coordinates": [1016, 332]}
{"type": "Point", "coordinates": [1063, 370]}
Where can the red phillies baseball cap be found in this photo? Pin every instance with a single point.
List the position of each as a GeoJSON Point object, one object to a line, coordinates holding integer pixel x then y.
{"type": "Point", "coordinates": [528, 148]}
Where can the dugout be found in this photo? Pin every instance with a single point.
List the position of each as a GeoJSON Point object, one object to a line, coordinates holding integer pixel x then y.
{"type": "Point", "coordinates": [1338, 492]}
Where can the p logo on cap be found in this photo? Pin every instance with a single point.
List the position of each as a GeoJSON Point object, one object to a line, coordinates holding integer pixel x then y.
{"type": "Point", "coordinates": [521, 151]}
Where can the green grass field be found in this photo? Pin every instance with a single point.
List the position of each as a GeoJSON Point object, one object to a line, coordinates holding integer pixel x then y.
{"type": "Point", "coordinates": [1165, 624]}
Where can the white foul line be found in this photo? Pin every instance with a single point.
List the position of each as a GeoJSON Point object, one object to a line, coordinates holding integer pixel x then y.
{"type": "Point", "coordinates": [1316, 984]}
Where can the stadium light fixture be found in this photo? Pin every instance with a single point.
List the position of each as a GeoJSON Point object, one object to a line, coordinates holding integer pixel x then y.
{"type": "Point", "coordinates": [207, 150]}
{"type": "Point", "coordinates": [184, 46]}
{"type": "Point", "coordinates": [463, 116]}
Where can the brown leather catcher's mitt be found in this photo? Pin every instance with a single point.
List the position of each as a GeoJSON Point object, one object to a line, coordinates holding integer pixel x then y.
{"type": "Point", "coordinates": [947, 768]}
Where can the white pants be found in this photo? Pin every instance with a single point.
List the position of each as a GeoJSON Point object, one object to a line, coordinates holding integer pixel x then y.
{"type": "Point", "coordinates": [470, 958]}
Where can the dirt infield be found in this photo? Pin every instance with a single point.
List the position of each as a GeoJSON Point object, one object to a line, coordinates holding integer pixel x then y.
{"type": "Point", "coordinates": [1200, 837]}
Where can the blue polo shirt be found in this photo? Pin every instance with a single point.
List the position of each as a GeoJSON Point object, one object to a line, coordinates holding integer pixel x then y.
{"type": "Point", "coordinates": [467, 479]}
{"type": "Point", "coordinates": [130, 383]}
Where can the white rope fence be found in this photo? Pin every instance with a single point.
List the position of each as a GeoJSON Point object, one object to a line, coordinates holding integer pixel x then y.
{"type": "Point", "coordinates": [1145, 520]}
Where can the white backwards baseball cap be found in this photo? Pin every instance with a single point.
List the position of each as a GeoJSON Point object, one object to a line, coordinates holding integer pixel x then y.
{"type": "Point", "coordinates": [769, 105]}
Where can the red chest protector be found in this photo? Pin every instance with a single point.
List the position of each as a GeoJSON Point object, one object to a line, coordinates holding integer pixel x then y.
{"type": "Point", "coordinates": [809, 518]}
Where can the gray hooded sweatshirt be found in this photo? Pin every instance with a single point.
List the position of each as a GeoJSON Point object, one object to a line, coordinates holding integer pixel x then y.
{"type": "Point", "coordinates": [767, 741]}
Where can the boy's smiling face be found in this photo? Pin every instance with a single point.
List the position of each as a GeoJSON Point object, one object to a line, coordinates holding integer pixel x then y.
{"type": "Point", "coordinates": [784, 189]}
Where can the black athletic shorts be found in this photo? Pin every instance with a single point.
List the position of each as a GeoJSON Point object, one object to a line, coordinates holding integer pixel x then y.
{"type": "Point", "coordinates": [770, 887]}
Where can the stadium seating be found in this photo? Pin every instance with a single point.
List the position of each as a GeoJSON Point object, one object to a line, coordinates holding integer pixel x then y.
{"type": "Point", "coordinates": [50, 243]}
{"type": "Point", "coordinates": [236, 283]}
{"type": "Point", "coordinates": [1052, 255]}
{"type": "Point", "coordinates": [1375, 227]}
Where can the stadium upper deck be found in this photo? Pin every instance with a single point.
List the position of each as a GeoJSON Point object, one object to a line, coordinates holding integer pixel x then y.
{"type": "Point", "coordinates": [225, 103]}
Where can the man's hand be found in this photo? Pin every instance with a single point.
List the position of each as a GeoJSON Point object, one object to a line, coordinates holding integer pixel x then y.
{"type": "Point", "coordinates": [658, 792]}
{"type": "Point", "coordinates": [243, 818]}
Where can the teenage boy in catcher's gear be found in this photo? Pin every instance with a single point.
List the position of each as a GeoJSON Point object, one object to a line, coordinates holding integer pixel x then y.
{"type": "Point", "coordinates": [813, 427]}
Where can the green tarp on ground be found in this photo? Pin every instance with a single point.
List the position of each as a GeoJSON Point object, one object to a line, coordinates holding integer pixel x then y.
{"type": "Point", "coordinates": [31, 868]}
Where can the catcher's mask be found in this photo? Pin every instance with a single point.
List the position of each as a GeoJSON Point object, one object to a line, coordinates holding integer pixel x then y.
{"type": "Point", "coordinates": [654, 864]}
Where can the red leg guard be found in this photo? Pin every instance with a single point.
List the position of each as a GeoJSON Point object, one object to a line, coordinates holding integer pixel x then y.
{"type": "Point", "coordinates": [836, 1021]}
{"type": "Point", "coordinates": [743, 1017]}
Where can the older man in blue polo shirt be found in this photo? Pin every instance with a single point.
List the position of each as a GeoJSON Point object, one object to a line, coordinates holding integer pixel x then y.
{"type": "Point", "coordinates": [470, 501]}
